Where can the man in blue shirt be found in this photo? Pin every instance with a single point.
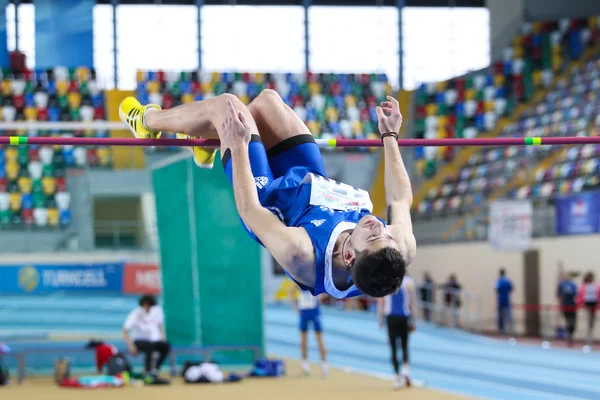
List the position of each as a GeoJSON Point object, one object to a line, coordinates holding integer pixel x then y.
{"type": "Point", "coordinates": [567, 296]}
{"type": "Point", "coordinates": [503, 289]}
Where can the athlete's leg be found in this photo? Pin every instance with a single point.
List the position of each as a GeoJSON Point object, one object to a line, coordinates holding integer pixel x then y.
{"type": "Point", "coordinates": [393, 336]}
{"type": "Point", "coordinates": [288, 141]}
{"type": "Point", "coordinates": [319, 335]}
{"type": "Point", "coordinates": [304, 351]}
{"type": "Point", "coordinates": [200, 118]}
{"type": "Point", "coordinates": [404, 333]}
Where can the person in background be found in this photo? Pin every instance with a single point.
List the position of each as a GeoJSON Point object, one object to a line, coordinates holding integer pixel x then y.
{"type": "Point", "coordinates": [588, 296]}
{"type": "Point", "coordinates": [426, 292]}
{"type": "Point", "coordinates": [567, 298]}
{"type": "Point", "coordinates": [452, 298]}
{"type": "Point", "coordinates": [504, 288]}
{"type": "Point", "coordinates": [307, 307]}
{"type": "Point", "coordinates": [146, 324]}
{"type": "Point", "coordinates": [398, 310]}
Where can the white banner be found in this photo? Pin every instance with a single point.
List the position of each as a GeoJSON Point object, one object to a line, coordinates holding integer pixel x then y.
{"type": "Point", "coordinates": [511, 225]}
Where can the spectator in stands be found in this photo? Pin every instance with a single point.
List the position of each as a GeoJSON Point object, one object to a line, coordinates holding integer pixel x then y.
{"type": "Point", "coordinates": [452, 299]}
{"type": "Point", "coordinates": [146, 323]}
{"type": "Point", "coordinates": [426, 292]}
{"type": "Point", "coordinates": [567, 298]}
{"type": "Point", "coordinates": [504, 288]}
{"type": "Point", "coordinates": [588, 296]}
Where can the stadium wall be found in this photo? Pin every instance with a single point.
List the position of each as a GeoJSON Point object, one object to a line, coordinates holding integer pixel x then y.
{"type": "Point", "coordinates": [547, 10]}
{"type": "Point", "coordinates": [476, 266]}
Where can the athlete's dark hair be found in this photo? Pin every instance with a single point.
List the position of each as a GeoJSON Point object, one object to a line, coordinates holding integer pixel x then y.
{"type": "Point", "coordinates": [379, 273]}
{"type": "Point", "coordinates": [147, 299]}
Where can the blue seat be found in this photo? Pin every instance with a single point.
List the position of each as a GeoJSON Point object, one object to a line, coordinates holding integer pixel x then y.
{"type": "Point", "coordinates": [65, 217]}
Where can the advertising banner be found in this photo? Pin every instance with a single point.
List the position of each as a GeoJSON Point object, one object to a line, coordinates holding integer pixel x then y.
{"type": "Point", "coordinates": [29, 278]}
{"type": "Point", "coordinates": [142, 279]}
{"type": "Point", "coordinates": [579, 214]}
{"type": "Point", "coordinates": [511, 225]}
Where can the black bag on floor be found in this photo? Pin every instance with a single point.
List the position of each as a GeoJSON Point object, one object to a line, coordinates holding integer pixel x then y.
{"type": "Point", "coordinates": [117, 364]}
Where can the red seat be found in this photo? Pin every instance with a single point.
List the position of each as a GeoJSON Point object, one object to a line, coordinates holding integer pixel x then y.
{"type": "Point", "coordinates": [99, 113]}
{"type": "Point", "coordinates": [167, 101]}
{"type": "Point", "coordinates": [19, 101]}
{"type": "Point", "coordinates": [27, 216]}
{"type": "Point", "coordinates": [91, 156]}
{"type": "Point", "coordinates": [160, 75]}
{"type": "Point", "coordinates": [196, 87]}
{"type": "Point", "coordinates": [73, 87]}
{"type": "Point", "coordinates": [61, 185]}
{"type": "Point", "coordinates": [34, 155]}
{"type": "Point", "coordinates": [3, 184]}
{"type": "Point", "coordinates": [43, 114]}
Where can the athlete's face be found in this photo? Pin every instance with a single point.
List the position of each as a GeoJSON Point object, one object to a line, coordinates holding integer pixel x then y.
{"type": "Point", "coordinates": [370, 234]}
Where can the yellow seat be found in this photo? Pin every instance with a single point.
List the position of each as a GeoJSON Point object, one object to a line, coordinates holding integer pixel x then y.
{"type": "Point", "coordinates": [215, 77]}
{"type": "Point", "coordinates": [350, 101]}
{"type": "Point", "coordinates": [48, 185]}
{"type": "Point", "coordinates": [490, 106]}
{"type": "Point", "coordinates": [11, 154]}
{"type": "Point", "coordinates": [499, 80]}
{"type": "Point", "coordinates": [103, 154]}
{"type": "Point", "coordinates": [83, 74]}
{"type": "Point", "coordinates": [537, 78]}
{"type": "Point", "coordinates": [6, 88]}
{"type": "Point", "coordinates": [187, 98]}
{"type": "Point", "coordinates": [518, 52]}
{"type": "Point", "coordinates": [557, 61]}
{"type": "Point", "coordinates": [25, 185]}
{"type": "Point", "coordinates": [259, 77]}
{"type": "Point", "coordinates": [431, 109]}
{"type": "Point", "coordinates": [357, 128]}
{"type": "Point", "coordinates": [536, 27]}
{"type": "Point", "coordinates": [331, 114]}
{"type": "Point", "coordinates": [14, 201]}
{"type": "Point", "coordinates": [314, 88]}
{"type": "Point", "coordinates": [153, 87]}
{"type": "Point", "coordinates": [140, 75]}
{"type": "Point", "coordinates": [442, 121]}
{"type": "Point", "coordinates": [74, 100]}
{"type": "Point", "coordinates": [441, 86]}
{"type": "Point", "coordinates": [53, 217]}
{"type": "Point", "coordinates": [470, 94]}
{"type": "Point", "coordinates": [314, 127]}
{"type": "Point", "coordinates": [244, 99]}
{"type": "Point", "coordinates": [62, 87]}
{"type": "Point", "coordinates": [12, 170]}
{"type": "Point", "coordinates": [31, 113]}
{"type": "Point", "coordinates": [207, 87]}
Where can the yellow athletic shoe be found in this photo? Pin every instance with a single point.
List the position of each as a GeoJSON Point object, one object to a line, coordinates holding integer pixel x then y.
{"type": "Point", "coordinates": [132, 112]}
{"type": "Point", "coordinates": [203, 157]}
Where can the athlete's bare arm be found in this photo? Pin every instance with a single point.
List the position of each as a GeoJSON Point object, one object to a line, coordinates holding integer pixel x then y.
{"type": "Point", "coordinates": [291, 247]}
{"type": "Point", "coordinates": [398, 189]}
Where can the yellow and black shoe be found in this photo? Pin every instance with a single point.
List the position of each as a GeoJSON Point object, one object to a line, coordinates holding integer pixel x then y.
{"type": "Point", "coordinates": [203, 157]}
{"type": "Point", "coordinates": [132, 113]}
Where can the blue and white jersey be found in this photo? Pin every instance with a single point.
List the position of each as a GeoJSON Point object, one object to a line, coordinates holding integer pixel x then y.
{"type": "Point", "coordinates": [306, 301]}
{"type": "Point", "coordinates": [398, 304]}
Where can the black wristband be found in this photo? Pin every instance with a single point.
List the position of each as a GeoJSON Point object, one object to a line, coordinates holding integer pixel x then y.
{"type": "Point", "coordinates": [386, 134]}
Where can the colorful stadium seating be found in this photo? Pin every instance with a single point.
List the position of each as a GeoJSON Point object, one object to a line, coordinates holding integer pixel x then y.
{"type": "Point", "coordinates": [569, 109]}
{"type": "Point", "coordinates": [33, 188]}
{"type": "Point", "coordinates": [470, 105]}
{"type": "Point", "coordinates": [331, 105]}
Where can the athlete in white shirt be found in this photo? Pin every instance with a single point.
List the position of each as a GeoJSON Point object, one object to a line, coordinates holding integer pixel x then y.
{"type": "Point", "coordinates": [144, 332]}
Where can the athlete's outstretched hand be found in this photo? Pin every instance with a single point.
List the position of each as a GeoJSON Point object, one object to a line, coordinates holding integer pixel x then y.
{"type": "Point", "coordinates": [393, 121]}
{"type": "Point", "coordinates": [236, 131]}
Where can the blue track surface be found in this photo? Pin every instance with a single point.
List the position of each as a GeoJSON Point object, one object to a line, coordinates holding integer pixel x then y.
{"type": "Point", "coordinates": [445, 359]}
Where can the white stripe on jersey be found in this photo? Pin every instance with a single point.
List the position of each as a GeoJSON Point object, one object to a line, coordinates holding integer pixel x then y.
{"type": "Point", "coordinates": [306, 301]}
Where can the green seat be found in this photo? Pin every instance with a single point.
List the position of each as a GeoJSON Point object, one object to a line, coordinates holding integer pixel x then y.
{"type": "Point", "coordinates": [430, 169]}
{"type": "Point", "coordinates": [29, 87]}
{"type": "Point", "coordinates": [48, 170]}
{"type": "Point", "coordinates": [39, 200]}
{"type": "Point", "coordinates": [421, 98]}
{"type": "Point", "coordinates": [420, 125]}
{"type": "Point", "coordinates": [219, 88]}
{"type": "Point", "coordinates": [36, 186]}
{"type": "Point", "coordinates": [72, 75]}
{"type": "Point", "coordinates": [175, 89]}
{"type": "Point", "coordinates": [23, 157]}
{"type": "Point", "coordinates": [84, 89]}
{"type": "Point", "coordinates": [5, 217]}
{"type": "Point", "coordinates": [75, 114]}
{"type": "Point", "coordinates": [237, 76]}
{"type": "Point", "coordinates": [63, 102]}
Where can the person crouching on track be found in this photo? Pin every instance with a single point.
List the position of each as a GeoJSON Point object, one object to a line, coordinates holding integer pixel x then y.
{"type": "Point", "coordinates": [146, 323]}
{"type": "Point", "coordinates": [307, 307]}
{"type": "Point", "coordinates": [398, 308]}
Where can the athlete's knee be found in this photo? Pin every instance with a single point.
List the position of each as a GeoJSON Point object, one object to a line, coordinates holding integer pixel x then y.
{"type": "Point", "coordinates": [267, 99]}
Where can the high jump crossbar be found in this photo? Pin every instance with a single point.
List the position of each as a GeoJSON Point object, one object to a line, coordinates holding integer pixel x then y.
{"type": "Point", "coordinates": [331, 143]}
